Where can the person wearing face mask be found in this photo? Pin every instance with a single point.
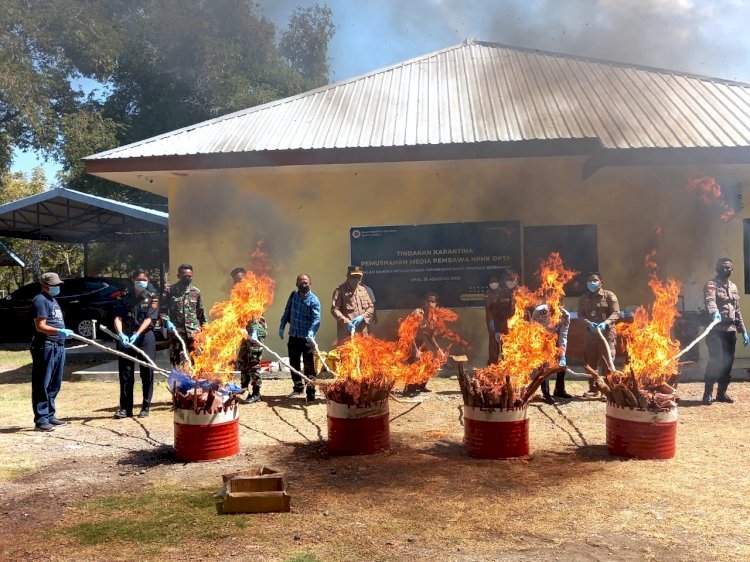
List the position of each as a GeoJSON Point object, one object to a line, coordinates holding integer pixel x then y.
{"type": "Point", "coordinates": [425, 335]}
{"type": "Point", "coordinates": [542, 316]}
{"type": "Point", "coordinates": [352, 307]}
{"type": "Point", "coordinates": [723, 304]}
{"type": "Point", "coordinates": [499, 306]}
{"type": "Point", "coordinates": [302, 313]}
{"type": "Point", "coordinates": [599, 309]}
{"type": "Point", "coordinates": [250, 353]}
{"type": "Point", "coordinates": [47, 353]}
{"type": "Point", "coordinates": [184, 315]}
{"type": "Point", "coordinates": [136, 314]}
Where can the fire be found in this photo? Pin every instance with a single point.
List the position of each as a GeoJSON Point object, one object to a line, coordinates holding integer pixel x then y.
{"type": "Point", "coordinates": [528, 345]}
{"type": "Point", "coordinates": [217, 343]}
{"type": "Point", "coordinates": [708, 191]}
{"type": "Point", "coordinates": [651, 349]}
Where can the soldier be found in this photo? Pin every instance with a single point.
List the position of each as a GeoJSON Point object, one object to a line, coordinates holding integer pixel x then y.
{"type": "Point", "coordinates": [137, 311]}
{"type": "Point", "coordinates": [599, 309]}
{"type": "Point", "coordinates": [499, 306]}
{"type": "Point", "coordinates": [723, 303]}
{"type": "Point", "coordinates": [250, 352]}
{"type": "Point", "coordinates": [352, 307]}
{"type": "Point", "coordinates": [184, 313]}
{"type": "Point", "coordinates": [541, 315]}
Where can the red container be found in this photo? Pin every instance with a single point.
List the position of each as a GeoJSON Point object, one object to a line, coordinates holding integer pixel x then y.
{"type": "Point", "coordinates": [206, 437]}
{"type": "Point", "coordinates": [641, 434]}
{"type": "Point", "coordinates": [358, 430]}
{"type": "Point", "coordinates": [496, 433]}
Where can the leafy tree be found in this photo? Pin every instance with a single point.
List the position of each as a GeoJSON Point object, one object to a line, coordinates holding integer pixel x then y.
{"type": "Point", "coordinates": [305, 43]}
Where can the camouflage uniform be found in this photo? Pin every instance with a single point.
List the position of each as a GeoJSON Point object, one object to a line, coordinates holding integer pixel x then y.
{"type": "Point", "coordinates": [183, 306]}
{"type": "Point", "coordinates": [721, 295]}
{"type": "Point", "coordinates": [249, 355]}
{"type": "Point", "coordinates": [499, 306]}
{"type": "Point", "coordinates": [598, 307]}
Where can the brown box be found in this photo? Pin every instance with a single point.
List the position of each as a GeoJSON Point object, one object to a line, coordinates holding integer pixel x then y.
{"type": "Point", "coordinates": [258, 490]}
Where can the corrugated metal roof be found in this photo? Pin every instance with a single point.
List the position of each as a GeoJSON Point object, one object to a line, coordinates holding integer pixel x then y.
{"type": "Point", "coordinates": [477, 92]}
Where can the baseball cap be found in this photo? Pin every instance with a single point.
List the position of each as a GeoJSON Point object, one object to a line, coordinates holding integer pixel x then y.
{"type": "Point", "coordinates": [51, 278]}
{"type": "Point", "coordinates": [354, 270]}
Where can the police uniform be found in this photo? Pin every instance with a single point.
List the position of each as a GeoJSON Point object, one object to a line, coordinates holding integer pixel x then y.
{"type": "Point", "coordinates": [499, 306]}
{"type": "Point", "coordinates": [133, 309]}
{"type": "Point", "coordinates": [249, 356]}
{"type": "Point", "coordinates": [721, 295]}
{"type": "Point", "coordinates": [347, 304]}
{"type": "Point", "coordinates": [184, 308]}
{"type": "Point", "coordinates": [597, 307]}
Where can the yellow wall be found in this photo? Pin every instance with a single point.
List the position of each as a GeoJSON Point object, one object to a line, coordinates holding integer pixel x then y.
{"type": "Point", "coordinates": [304, 216]}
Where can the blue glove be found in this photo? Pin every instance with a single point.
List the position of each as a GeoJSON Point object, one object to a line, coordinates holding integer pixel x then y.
{"type": "Point", "coordinates": [133, 339]}
{"type": "Point", "coordinates": [281, 332]}
{"type": "Point", "coordinates": [563, 362]}
{"type": "Point", "coordinates": [745, 339]}
{"type": "Point", "coordinates": [123, 339]}
{"type": "Point", "coordinates": [254, 335]}
{"type": "Point", "coordinates": [64, 332]}
{"type": "Point", "coordinates": [497, 337]}
{"type": "Point", "coordinates": [491, 325]}
{"type": "Point", "coordinates": [601, 327]}
{"type": "Point", "coordinates": [592, 327]}
{"type": "Point", "coordinates": [310, 337]}
{"type": "Point", "coordinates": [171, 326]}
{"type": "Point", "coordinates": [624, 314]}
{"type": "Point", "coordinates": [716, 316]}
{"type": "Point", "coordinates": [357, 320]}
{"type": "Point", "coordinates": [351, 326]}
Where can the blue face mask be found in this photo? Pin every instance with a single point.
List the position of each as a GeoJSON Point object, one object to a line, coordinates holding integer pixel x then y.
{"type": "Point", "coordinates": [54, 291]}
{"type": "Point", "coordinates": [593, 286]}
{"type": "Point", "coordinates": [141, 285]}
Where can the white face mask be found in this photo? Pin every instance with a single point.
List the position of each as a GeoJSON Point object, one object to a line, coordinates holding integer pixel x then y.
{"type": "Point", "coordinates": [511, 284]}
{"type": "Point", "coordinates": [494, 286]}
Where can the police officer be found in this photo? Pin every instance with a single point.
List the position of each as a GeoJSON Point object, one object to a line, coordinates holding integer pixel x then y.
{"type": "Point", "coordinates": [352, 307]}
{"type": "Point", "coordinates": [136, 314]}
{"type": "Point", "coordinates": [599, 310]}
{"type": "Point", "coordinates": [499, 306]}
{"type": "Point", "coordinates": [47, 353]}
{"type": "Point", "coordinates": [723, 304]}
{"type": "Point", "coordinates": [542, 316]}
{"type": "Point", "coordinates": [185, 314]}
{"type": "Point", "coordinates": [250, 352]}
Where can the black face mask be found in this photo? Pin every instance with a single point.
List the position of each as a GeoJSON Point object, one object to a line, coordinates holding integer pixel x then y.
{"type": "Point", "coordinates": [725, 272]}
{"type": "Point", "coordinates": [185, 280]}
{"type": "Point", "coordinates": [303, 287]}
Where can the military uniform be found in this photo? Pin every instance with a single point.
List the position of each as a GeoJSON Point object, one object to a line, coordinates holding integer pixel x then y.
{"type": "Point", "coordinates": [499, 306]}
{"type": "Point", "coordinates": [721, 295]}
{"type": "Point", "coordinates": [600, 306]}
{"type": "Point", "coordinates": [184, 308]}
{"type": "Point", "coordinates": [347, 304]}
{"type": "Point", "coordinates": [133, 310]}
{"type": "Point", "coordinates": [249, 356]}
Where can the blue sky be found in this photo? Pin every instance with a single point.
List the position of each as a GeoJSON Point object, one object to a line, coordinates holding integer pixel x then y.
{"type": "Point", "coordinates": [706, 37]}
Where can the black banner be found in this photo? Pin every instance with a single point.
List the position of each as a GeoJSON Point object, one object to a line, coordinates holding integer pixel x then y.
{"type": "Point", "coordinates": [403, 263]}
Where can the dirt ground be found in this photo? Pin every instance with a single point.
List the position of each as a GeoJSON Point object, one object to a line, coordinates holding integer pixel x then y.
{"type": "Point", "coordinates": [101, 487]}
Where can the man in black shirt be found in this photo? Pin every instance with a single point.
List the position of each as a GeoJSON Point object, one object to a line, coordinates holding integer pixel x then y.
{"type": "Point", "coordinates": [47, 353]}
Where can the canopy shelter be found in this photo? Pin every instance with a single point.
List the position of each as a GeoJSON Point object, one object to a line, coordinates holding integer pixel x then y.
{"type": "Point", "coordinates": [68, 216]}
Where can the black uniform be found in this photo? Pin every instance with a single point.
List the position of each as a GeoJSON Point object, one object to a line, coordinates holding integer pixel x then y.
{"type": "Point", "coordinates": [133, 310]}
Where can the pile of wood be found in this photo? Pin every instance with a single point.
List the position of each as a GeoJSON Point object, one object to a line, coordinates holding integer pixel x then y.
{"type": "Point", "coordinates": [357, 393]}
{"type": "Point", "coordinates": [204, 400]}
{"type": "Point", "coordinates": [622, 390]}
{"type": "Point", "coordinates": [502, 394]}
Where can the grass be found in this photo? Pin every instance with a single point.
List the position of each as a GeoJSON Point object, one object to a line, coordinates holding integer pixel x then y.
{"type": "Point", "coordinates": [13, 467]}
{"type": "Point", "coordinates": [13, 359]}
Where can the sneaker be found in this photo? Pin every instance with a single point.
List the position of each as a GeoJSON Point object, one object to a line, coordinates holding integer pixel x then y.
{"type": "Point", "coordinates": [252, 399]}
{"type": "Point", "coordinates": [724, 398]}
{"type": "Point", "coordinates": [44, 427]}
{"type": "Point", "coordinates": [295, 394]}
{"type": "Point", "coordinates": [549, 400]}
{"type": "Point", "coordinates": [121, 414]}
{"type": "Point", "coordinates": [55, 421]}
{"type": "Point", "coordinates": [143, 413]}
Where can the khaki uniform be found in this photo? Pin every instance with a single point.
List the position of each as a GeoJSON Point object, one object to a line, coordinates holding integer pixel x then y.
{"type": "Point", "coordinates": [347, 305]}
{"type": "Point", "coordinates": [722, 296]}
{"type": "Point", "coordinates": [598, 307]}
{"type": "Point", "coordinates": [499, 306]}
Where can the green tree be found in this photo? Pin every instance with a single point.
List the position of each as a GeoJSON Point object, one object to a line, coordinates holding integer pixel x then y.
{"type": "Point", "coordinates": [305, 43]}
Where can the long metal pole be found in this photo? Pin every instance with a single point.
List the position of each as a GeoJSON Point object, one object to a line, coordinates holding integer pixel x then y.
{"type": "Point", "coordinates": [119, 354]}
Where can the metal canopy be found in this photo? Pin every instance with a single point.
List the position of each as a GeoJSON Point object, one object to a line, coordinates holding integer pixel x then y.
{"type": "Point", "coordinates": [65, 215]}
{"type": "Point", "coordinates": [9, 258]}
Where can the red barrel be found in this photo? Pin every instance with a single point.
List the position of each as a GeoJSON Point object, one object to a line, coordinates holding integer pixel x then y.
{"type": "Point", "coordinates": [206, 437]}
{"type": "Point", "coordinates": [358, 430]}
{"type": "Point", "coordinates": [496, 433]}
{"type": "Point", "coordinates": [641, 434]}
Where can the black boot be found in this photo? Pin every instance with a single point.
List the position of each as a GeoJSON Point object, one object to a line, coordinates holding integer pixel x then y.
{"type": "Point", "coordinates": [560, 387]}
{"type": "Point", "coordinates": [708, 391]}
{"type": "Point", "coordinates": [545, 392]}
{"type": "Point", "coordinates": [721, 394]}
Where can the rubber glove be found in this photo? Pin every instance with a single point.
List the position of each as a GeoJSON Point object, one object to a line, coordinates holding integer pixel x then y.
{"type": "Point", "coordinates": [601, 327]}
{"type": "Point", "coordinates": [351, 326]}
{"type": "Point", "coordinates": [745, 339]}
{"type": "Point", "coordinates": [563, 362]}
{"type": "Point", "coordinates": [254, 335]}
{"type": "Point", "coordinates": [123, 339]}
{"type": "Point", "coordinates": [64, 332]}
{"type": "Point", "coordinates": [716, 316]}
{"type": "Point", "coordinates": [357, 320]}
{"type": "Point", "coordinates": [592, 326]}
{"type": "Point", "coordinates": [497, 337]}
{"type": "Point", "coordinates": [311, 337]}
{"type": "Point", "coordinates": [624, 314]}
{"type": "Point", "coordinates": [171, 326]}
{"type": "Point", "coordinates": [491, 325]}
{"type": "Point", "coordinates": [133, 339]}
{"type": "Point", "coordinates": [281, 332]}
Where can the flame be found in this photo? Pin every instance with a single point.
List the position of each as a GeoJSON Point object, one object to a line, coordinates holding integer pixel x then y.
{"type": "Point", "coordinates": [218, 341]}
{"type": "Point", "coordinates": [651, 349]}
{"type": "Point", "coordinates": [529, 345]}
{"type": "Point", "coordinates": [709, 192]}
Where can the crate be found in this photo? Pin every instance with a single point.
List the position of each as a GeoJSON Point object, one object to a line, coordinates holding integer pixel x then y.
{"type": "Point", "coordinates": [257, 490]}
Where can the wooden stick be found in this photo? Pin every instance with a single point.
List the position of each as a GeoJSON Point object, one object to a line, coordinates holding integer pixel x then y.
{"type": "Point", "coordinates": [608, 356]}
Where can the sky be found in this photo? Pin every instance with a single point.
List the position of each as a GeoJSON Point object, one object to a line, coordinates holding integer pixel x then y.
{"type": "Point", "coordinates": [707, 37]}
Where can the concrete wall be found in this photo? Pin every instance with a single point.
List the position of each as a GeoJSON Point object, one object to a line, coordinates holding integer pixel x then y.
{"type": "Point", "coordinates": [304, 215]}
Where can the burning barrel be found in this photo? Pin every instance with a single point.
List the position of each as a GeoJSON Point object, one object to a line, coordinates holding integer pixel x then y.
{"type": "Point", "coordinates": [206, 436]}
{"type": "Point", "coordinates": [358, 429]}
{"type": "Point", "coordinates": [496, 433]}
{"type": "Point", "coordinates": [640, 433]}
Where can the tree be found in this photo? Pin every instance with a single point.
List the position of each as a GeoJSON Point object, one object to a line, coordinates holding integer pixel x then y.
{"type": "Point", "coordinates": [305, 43]}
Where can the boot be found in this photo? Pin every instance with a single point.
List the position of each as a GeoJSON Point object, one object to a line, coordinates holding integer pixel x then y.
{"type": "Point", "coordinates": [253, 397]}
{"type": "Point", "coordinates": [545, 393]}
{"type": "Point", "coordinates": [721, 394]}
{"type": "Point", "coordinates": [560, 387]}
{"type": "Point", "coordinates": [707, 392]}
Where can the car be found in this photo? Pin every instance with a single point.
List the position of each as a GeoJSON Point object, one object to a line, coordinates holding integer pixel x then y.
{"type": "Point", "coordinates": [83, 300]}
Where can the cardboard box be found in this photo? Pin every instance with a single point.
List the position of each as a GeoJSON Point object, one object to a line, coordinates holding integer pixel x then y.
{"type": "Point", "coordinates": [258, 490]}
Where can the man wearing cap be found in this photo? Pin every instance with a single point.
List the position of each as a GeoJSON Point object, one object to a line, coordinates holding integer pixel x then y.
{"type": "Point", "coordinates": [47, 353]}
{"type": "Point", "coordinates": [352, 306]}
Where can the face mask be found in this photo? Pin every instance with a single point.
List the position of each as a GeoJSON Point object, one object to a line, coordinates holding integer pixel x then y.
{"type": "Point", "coordinates": [725, 272]}
{"type": "Point", "coordinates": [593, 286]}
{"type": "Point", "coordinates": [355, 281]}
{"type": "Point", "coordinates": [185, 280]}
{"type": "Point", "coordinates": [54, 291]}
{"type": "Point", "coordinates": [141, 285]}
{"type": "Point", "coordinates": [303, 287]}
{"type": "Point", "coordinates": [511, 284]}
{"type": "Point", "coordinates": [494, 286]}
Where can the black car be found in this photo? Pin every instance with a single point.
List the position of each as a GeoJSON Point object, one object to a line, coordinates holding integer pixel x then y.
{"type": "Point", "coordinates": [82, 300]}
